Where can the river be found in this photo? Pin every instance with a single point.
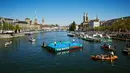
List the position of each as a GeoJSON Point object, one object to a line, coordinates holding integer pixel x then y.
{"type": "Point", "coordinates": [26, 57]}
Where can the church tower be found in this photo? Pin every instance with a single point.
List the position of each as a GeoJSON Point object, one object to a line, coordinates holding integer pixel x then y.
{"type": "Point", "coordinates": [42, 21]}
{"type": "Point", "coordinates": [86, 17]}
{"type": "Point", "coordinates": [97, 19]}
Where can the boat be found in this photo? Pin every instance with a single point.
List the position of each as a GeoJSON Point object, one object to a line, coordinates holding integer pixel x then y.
{"type": "Point", "coordinates": [8, 43]}
{"type": "Point", "coordinates": [126, 50]}
{"type": "Point", "coordinates": [104, 57]}
{"type": "Point", "coordinates": [106, 38]}
{"type": "Point", "coordinates": [32, 40]}
{"type": "Point", "coordinates": [91, 39]}
{"type": "Point", "coordinates": [70, 34]}
{"type": "Point", "coordinates": [106, 47]}
{"type": "Point", "coordinates": [28, 33]}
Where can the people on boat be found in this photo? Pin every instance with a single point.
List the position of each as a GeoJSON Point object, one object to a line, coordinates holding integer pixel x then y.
{"type": "Point", "coordinates": [104, 57]}
{"type": "Point", "coordinates": [115, 46]}
{"type": "Point", "coordinates": [44, 45]}
{"type": "Point", "coordinates": [54, 43]}
{"type": "Point", "coordinates": [105, 44]}
{"type": "Point", "coordinates": [112, 53]}
{"type": "Point", "coordinates": [73, 40]}
{"type": "Point", "coordinates": [109, 46]}
{"type": "Point", "coordinates": [61, 42]}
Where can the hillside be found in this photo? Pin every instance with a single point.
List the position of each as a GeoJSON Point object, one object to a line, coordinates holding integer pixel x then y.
{"type": "Point", "coordinates": [118, 24]}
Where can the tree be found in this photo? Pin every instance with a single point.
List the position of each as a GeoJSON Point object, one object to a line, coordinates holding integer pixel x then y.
{"type": "Point", "coordinates": [56, 25]}
{"type": "Point", "coordinates": [17, 28]}
{"type": "Point", "coordinates": [0, 26]}
{"type": "Point", "coordinates": [72, 26]}
{"type": "Point", "coordinates": [5, 26]}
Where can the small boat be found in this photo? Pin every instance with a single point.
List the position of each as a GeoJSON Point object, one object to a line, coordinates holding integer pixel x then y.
{"type": "Point", "coordinates": [28, 33]}
{"type": "Point", "coordinates": [70, 34]}
{"type": "Point", "coordinates": [32, 40]}
{"type": "Point", "coordinates": [104, 57]}
{"type": "Point", "coordinates": [107, 47]}
{"type": "Point", "coordinates": [8, 43]}
{"type": "Point", "coordinates": [126, 51]}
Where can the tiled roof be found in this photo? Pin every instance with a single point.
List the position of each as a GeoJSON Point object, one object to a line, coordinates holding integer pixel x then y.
{"type": "Point", "coordinates": [24, 22]}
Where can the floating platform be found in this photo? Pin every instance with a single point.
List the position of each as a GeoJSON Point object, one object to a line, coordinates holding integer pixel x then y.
{"type": "Point", "coordinates": [63, 46]}
{"type": "Point", "coordinates": [64, 52]}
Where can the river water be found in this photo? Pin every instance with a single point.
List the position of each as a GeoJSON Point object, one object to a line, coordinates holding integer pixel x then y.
{"type": "Point", "coordinates": [26, 57]}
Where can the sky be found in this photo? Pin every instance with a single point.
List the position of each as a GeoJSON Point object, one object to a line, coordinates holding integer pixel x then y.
{"type": "Point", "coordinates": [64, 12]}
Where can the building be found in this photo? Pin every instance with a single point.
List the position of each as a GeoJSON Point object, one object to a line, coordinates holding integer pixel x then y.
{"type": "Point", "coordinates": [28, 20]}
{"type": "Point", "coordinates": [84, 24]}
{"type": "Point", "coordinates": [77, 27]}
{"type": "Point", "coordinates": [35, 21]}
{"type": "Point", "coordinates": [94, 23]}
{"type": "Point", "coordinates": [8, 20]}
{"type": "Point", "coordinates": [24, 25]}
{"type": "Point", "coordinates": [88, 23]}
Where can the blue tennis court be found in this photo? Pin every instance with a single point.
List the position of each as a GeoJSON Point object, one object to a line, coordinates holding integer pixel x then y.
{"type": "Point", "coordinates": [64, 45]}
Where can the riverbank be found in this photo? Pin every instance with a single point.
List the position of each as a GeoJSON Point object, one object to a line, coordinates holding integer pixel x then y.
{"type": "Point", "coordinates": [123, 36]}
{"type": "Point", "coordinates": [16, 34]}
{"type": "Point", "coordinates": [11, 36]}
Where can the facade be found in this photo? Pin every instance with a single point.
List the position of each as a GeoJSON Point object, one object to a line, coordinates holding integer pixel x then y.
{"type": "Point", "coordinates": [77, 27]}
{"type": "Point", "coordinates": [88, 23]}
{"type": "Point", "coordinates": [35, 21]}
{"type": "Point", "coordinates": [8, 20]}
{"type": "Point", "coordinates": [28, 20]}
{"type": "Point", "coordinates": [24, 25]}
{"type": "Point", "coordinates": [84, 24]}
{"type": "Point", "coordinates": [93, 24]}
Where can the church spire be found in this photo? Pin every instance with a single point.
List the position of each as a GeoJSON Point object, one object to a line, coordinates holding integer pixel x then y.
{"type": "Point", "coordinates": [84, 17]}
{"type": "Point", "coordinates": [43, 21]}
{"type": "Point", "coordinates": [97, 19]}
{"type": "Point", "coordinates": [97, 16]}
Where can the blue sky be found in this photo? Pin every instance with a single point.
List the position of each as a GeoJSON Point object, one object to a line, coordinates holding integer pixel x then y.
{"type": "Point", "coordinates": [63, 12]}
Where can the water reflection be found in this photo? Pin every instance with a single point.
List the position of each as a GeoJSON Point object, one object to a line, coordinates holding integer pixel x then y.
{"type": "Point", "coordinates": [112, 62]}
{"type": "Point", "coordinates": [63, 52]}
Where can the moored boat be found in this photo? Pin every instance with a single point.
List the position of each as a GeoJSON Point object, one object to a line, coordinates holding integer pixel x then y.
{"type": "Point", "coordinates": [126, 50]}
{"type": "Point", "coordinates": [32, 40]}
{"type": "Point", "coordinates": [108, 47]}
{"type": "Point", "coordinates": [70, 34]}
{"type": "Point", "coordinates": [8, 43]}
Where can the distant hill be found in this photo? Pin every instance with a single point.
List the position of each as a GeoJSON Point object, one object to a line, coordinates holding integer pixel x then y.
{"type": "Point", "coordinates": [117, 24]}
{"type": "Point", "coordinates": [112, 21]}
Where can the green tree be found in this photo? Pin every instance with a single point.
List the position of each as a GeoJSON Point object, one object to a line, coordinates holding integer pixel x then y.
{"type": "Point", "coordinates": [17, 28]}
{"type": "Point", "coordinates": [57, 25]}
{"type": "Point", "coordinates": [5, 26]}
{"type": "Point", "coordinates": [11, 27]}
{"type": "Point", "coordinates": [72, 26]}
{"type": "Point", "coordinates": [0, 26]}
